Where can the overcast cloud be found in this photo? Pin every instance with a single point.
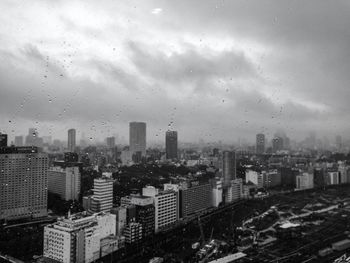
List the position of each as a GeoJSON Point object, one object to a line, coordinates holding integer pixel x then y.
{"type": "Point", "coordinates": [217, 70]}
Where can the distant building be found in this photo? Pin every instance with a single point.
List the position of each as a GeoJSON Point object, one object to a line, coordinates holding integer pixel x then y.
{"type": "Point", "coordinates": [272, 178]}
{"type": "Point", "coordinates": [194, 199]}
{"type": "Point", "coordinates": [216, 194]}
{"type": "Point", "coordinates": [338, 142]}
{"type": "Point", "coordinates": [71, 140]}
{"type": "Point", "coordinates": [102, 200]}
{"type": "Point", "coordinates": [3, 140]}
{"type": "Point", "coordinates": [137, 138]}
{"type": "Point", "coordinates": [65, 182]}
{"type": "Point", "coordinates": [234, 191]}
{"type": "Point", "coordinates": [23, 183]}
{"type": "Point", "coordinates": [228, 167]}
{"type": "Point", "coordinates": [332, 177]}
{"type": "Point", "coordinates": [304, 181]}
{"type": "Point", "coordinates": [80, 238]}
{"type": "Point", "coordinates": [260, 143]}
{"type": "Point", "coordinates": [33, 139]}
{"type": "Point", "coordinates": [110, 141]}
{"type": "Point", "coordinates": [277, 144]}
{"type": "Point", "coordinates": [171, 144]}
{"type": "Point", "coordinates": [254, 177]}
{"type": "Point", "coordinates": [19, 141]}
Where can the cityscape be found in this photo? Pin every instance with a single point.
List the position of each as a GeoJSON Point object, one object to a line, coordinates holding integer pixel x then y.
{"type": "Point", "coordinates": [163, 132]}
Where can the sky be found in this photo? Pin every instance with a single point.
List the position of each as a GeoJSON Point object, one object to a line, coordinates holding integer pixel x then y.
{"type": "Point", "coordinates": [212, 70]}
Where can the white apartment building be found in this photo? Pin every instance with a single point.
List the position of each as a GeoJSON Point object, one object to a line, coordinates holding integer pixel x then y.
{"type": "Point", "coordinates": [102, 200]}
{"type": "Point", "coordinates": [78, 238]}
{"type": "Point", "coordinates": [166, 206]}
{"type": "Point", "coordinates": [65, 182]}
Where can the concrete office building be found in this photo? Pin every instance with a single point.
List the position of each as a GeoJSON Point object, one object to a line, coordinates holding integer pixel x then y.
{"type": "Point", "coordinates": [228, 167]}
{"type": "Point", "coordinates": [194, 199]}
{"type": "Point", "coordinates": [133, 233]}
{"type": "Point", "coordinates": [166, 206]}
{"type": "Point", "coordinates": [171, 144]}
{"type": "Point", "coordinates": [71, 140]}
{"type": "Point", "coordinates": [120, 213]}
{"type": "Point", "coordinates": [3, 140]}
{"type": "Point", "coordinates": [235, 191]}
{"type": "Point", "coordinates": [216, 195]}
{"type": "Point", "coordinates": [102, 200]}
{"type": "Point", "coordinates": [23, 183]}
{"type": "Point", "coordinates": [260, 143]}
{"type": "Point", "coordinates": [305, 181]}
{"type": "Point", "coordinates": [145, 214]}
{"type": "Point", "coordinates": [137, 139]}
{"type": "Point", "coordinates": [79, 238]}
{"type": "Point", "coordinates": [19, 141]}
{"type": "Point", "coordinates": [65, 182]}
{"type": "Point", "coordinates": [110, 141]}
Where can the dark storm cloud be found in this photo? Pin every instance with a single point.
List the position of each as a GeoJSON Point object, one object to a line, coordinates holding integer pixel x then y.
{"type": "Point", "coordinates": [216, 69]}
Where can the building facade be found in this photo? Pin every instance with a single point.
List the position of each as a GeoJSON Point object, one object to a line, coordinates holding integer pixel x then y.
{"type": "Point", "coordinates": [79, 238]}
{"type": "Point", "coordinates": [102, 200]}
{"type": "Point", "coordinates": [171, 144]}
{"type": "Point", "coordinates": [23, 183]}
{"type": "Point", "coordinates": [65, 182]}
{"type": "Point", "coordinates": [71, 140]}
{"type": "Point", "coordinates": [260, 143]}
{"type": "Point", "coordinates": [137, 138]}
{"type": "Point", "coordinates": [228, 167]}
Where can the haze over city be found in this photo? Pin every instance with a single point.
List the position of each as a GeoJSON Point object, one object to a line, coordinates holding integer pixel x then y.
{"type": "Point", "coordinates": [216, 70]}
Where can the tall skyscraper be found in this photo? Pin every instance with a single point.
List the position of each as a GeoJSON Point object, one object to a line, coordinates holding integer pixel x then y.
{"type": "Point", "coordinates": [18, 141]}
{"type": "Point", "coordinates": [3, 140]}
{"type": "Point", "coordinates": [171, 144]}
{"type": "Point", "coordinates": [23, 183]}
{"type": "Point", "coordinates": [228, 167]}
{"type": "Point", "coordinates": [338, 142]}
{"type": "Point", "coordinates": [110, 141]}
{"type": "Point", "coordinates": [260, 143]}
{"type": "Point", "coordinates": [102, 200]}
{"type": "Point", "coordinates": [277, 144]}
{"type": "Point", "coordinates": [71, 140]}
{"type": "Point", "coordinates": [137, 138]}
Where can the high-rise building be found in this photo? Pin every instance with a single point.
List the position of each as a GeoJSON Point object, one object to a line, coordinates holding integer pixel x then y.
{"type": "Point", "coordinates": [171, 144]}
{"type": "Point", "coordinates": [102, 200]}
{"type": "Point", "coordinates": [228, 167]}
{"type": "Point", "coordinates": [338, 142]}
{"type": "Point", "coordinates": [216, 196]}
{"type": "Point", "coordinates": [235, 191]}
{"type": "Point", "coordinates": [79, 238]}
{"type": "Point", "coordinates": [260, 143]}
{"type": "Point", "coordinates": [137, 138]}
{"type": "Point", "coordinates": [120, 213]}
{"type": "Point", "coordinates": [23, 183]}
{"type": "Point", "coordinates": [3, 140]}
{"type": "Point", "coordinates": [71, 140]}
{"type": "Point", "coordinates": [194, 199]}
{"type": "Point", "coordinates": [133, 233]}
{"type": "Point", "coordinates": [145, 213]}
{"type": "Point", "coordinates": [277, 144]}
{"type": "Point", "coordinates": [33, 139]}
{"type": "Point", "coordinates": [166, 208]}
{"type": "Point", "coordinates": [110, 141]}
{"type": "Point", "coordinates": [65, 182]}
{"type": "Point", "coordinates": [305, 181]}
{"type": "Point", "coordinates": [19, 141]}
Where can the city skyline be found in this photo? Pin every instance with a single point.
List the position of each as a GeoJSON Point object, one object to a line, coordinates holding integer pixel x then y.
{"type": "Point", "coordinates": [234, 75]}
